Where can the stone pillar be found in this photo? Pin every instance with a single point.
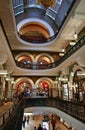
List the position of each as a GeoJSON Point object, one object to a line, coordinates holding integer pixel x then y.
{"type": "Point", "coordinates": [1, 90]}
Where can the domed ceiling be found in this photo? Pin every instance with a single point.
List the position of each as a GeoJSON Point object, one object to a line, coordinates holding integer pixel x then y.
{"type": "Point", "coordinates": [34, 31]}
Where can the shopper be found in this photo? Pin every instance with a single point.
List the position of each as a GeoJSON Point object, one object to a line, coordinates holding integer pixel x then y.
{"type": "Point", "coordinates": [24, 121]}
{"type": "Point", "coordinates": [35, 128]}
{"type": "Point", "coordinates": [27, 119]}
{"type": "Point", "coordinates": [40, 127]}
{"type": "Point", "coordinates": [53, 122]}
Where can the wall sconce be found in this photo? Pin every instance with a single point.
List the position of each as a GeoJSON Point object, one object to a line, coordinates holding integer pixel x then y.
{"type": "Point", "coordinates": [12, 80]}
{"type": "Point", "coordinates": [8, 78]}
{"type": "Point", "coordinates": [76, 85]}
{"type": "Point", "coordinates": [75, 35]}
{"type": "Point", "coordinates": [63, 50]}
{"type": "Point", "coordinates": [72, 74]}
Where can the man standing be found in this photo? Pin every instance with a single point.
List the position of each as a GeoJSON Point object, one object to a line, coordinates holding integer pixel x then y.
{"type": "Point", "coordinates": [40, 127]}
{"type": "Point", "coordinates": [53, 122]}
{"type": "Point", "coordinates": [27, 119]}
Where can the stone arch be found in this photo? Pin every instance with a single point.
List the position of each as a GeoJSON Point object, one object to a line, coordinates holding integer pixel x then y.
{"type": "Point", "coordinates": [75, 68]}
{"type": "Point", "coordinates": [44, 54]}
{"type": "Point", "coordinates": [26, 54]}
{"type": "Point", "coordinates": [45, 79]}
{"type": "Point", "coordinates": [20, 83]}
{"type": "Point", "coordinates": [45, 84]}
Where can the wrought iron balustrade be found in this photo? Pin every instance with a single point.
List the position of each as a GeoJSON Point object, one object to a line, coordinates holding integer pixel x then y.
{"type": "Point", "coordinates": [75, 109]}
{"type": "Point", "coordinates": [36, 66]}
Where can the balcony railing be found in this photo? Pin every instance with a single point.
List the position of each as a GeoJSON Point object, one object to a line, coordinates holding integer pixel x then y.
{"type": "Point", "coordinates": [74, 109]}
{"type": "Point", "coordinates": [37, 40]}
{"type": "Point", "coordinates": [12, 118]}
{"type": "Point", "coordinates": [55, 14]}
{"type": "Point", "coordinates": [8, 121]}
{"type": "Point", "coordinates": [78, 45]}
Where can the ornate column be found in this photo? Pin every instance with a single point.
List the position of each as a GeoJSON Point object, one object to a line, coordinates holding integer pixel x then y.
{"type": "Point", "coordinates": [0, 92]}
{"type": "Point", "coordinates": [2, 82]}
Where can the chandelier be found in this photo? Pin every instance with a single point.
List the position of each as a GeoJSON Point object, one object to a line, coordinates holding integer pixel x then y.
{"type": "Point", "coordinates": [47, 3]}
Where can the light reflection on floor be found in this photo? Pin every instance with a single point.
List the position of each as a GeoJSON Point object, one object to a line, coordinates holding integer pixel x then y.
{"type": "Point", "coordinates": [33, 122]}
{"type": "Point", "coordinates": [36, 120]}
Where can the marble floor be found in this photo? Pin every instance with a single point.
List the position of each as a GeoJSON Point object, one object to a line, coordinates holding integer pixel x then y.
{"type": "Point", "coordinates": [33, 120]}
{"type": "Point", "coordinates": [38, 120]}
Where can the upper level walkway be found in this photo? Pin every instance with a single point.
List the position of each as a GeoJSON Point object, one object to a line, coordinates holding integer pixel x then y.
{"type": "Point", "coordinates": [7, 107]}
{"type": "Point", "coordinates": [5, 112]}
{"type": "Point", "coordinates": [73, 112]}
{"type": "Point", "coordinates": [4, 108]}
{"type": "Point", "coordinates": [38, 120]}
{"type": "Point", "coordinates": [69, 53]}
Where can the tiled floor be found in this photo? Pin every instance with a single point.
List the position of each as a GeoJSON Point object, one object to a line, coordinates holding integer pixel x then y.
{"type": "Point", "coordinates": [38, 120]}
{"type": "Point", "coordinates": [32, 121]}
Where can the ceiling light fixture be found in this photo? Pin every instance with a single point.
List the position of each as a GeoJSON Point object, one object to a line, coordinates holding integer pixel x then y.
{"type": "Point", "coordinates": [3, 72]}
{"type": "Point", "coordinates": [28, 113]}
{"type": "Point", "coordinates": [72, 43]}
{"type": "Point", "coordinates": [47, 3]}
{"type": "Point", "coordinates": [75, 34]}
{"type": "Point", "coordinates": [80, 73]}
{"type": "Point", "coordinates": [61, 54]}
{"type": "Point", "coordinates": [63, 79]}
{"type": "Point", "coordinates": [63, 50]}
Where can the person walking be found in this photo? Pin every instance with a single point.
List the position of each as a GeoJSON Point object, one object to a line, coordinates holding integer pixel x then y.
{"type": "Point", "coordinates": [40, 127]}
{"type": "Point", "coordinates": [53, 122]}
{"type": "Point", "coordinates": [23, 122]}
{"type": "Point", "coordinates": [27, 119]}
{"type": "Point", "coordinates": [35, 128]}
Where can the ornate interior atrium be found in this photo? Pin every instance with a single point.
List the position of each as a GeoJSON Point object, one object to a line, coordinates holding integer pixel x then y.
{"type": "Point", "coordinates": [42, 63]}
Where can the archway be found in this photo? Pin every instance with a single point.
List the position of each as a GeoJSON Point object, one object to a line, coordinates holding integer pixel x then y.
{"type": "Point", "coordinates": [44, 86]}
{"type": "Point", "coordinates": [24, 85]}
